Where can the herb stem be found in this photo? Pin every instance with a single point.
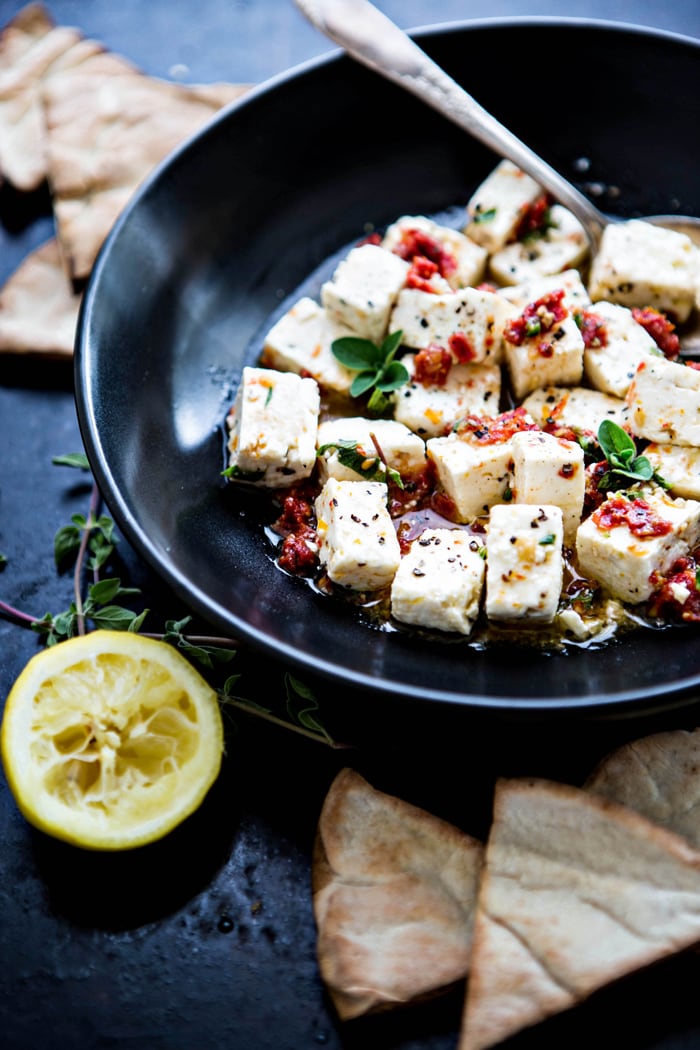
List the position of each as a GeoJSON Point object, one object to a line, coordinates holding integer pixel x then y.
{"type": "Point", "coordinates": [267, 716]}
{"type": "Point", "coordinates": [16, 614]}
{"type": "Point", "coordinates": [200, 639]}
{"type": "Point", "coordinates": [80, 560]}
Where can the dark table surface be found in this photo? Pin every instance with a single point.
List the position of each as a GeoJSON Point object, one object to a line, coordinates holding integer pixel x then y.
{"type": "Point", "coordinates": [206, 940]}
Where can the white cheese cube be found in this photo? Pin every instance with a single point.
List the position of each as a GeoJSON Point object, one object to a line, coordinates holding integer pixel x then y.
{"type": "Point", "coordinates": [575, 408]}
{"type": "Point", "coordinates": [439, 581]}
{"type": "Point", "coordinates": [403, 450]}
{"type": "Point", "coordinates": [610, 367]}
{"type": "Point", "coordinates": [301, 342]}
{"type": "Point", "coordinates": [548, 469]}
{"type": "Point", "coordinates": [363, 290]}
{"type": "Point", "coordinates": [462, 262]}
{"type": "Point", "coordinates": [620, 558]}
{"type": "Point", "coordinates": [576, 296]}
{"type": "Point", "coordinates": [552, 357]}
{"type": "Point", "coordinates": [469, 323]}
{"type": "Point", "coordinates": [357, 541]}
{"type": "Point", "coordinates": [272, 428]}
{"type": "Point", "coordinates": [679, 466]}
{"type": "Point", "coordinates": [664, 402]}
{"type": "Point", "coordinates": [497, 207]}
{"type": "Point", "coordinates": [525, 562]}
{"type": "Point", "coordinates": [639, 264]}
{"type": "Point", "coordinates": [472, 475]}
{"type": "Point", "coordinates": [561, 246]}
{"type": "Point", "coordinates": [429, 409]}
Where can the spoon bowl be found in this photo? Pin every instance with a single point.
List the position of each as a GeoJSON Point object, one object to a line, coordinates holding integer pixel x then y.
{"type": "Point", "coordinates": [373, 39]}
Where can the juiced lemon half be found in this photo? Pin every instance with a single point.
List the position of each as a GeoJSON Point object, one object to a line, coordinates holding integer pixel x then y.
{"type": "Point", "coordinates": [110, 740]}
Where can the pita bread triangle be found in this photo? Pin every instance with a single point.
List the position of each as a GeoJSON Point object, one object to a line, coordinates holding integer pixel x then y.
{"type": "Point", "coordinates": [394, 894]}
{"type": "Point", "coordinates": [38, 308]}
{"type": "Point", "coordinates": [577, 891]}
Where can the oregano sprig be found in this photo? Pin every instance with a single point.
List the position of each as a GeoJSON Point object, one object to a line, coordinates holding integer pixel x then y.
{"type": "Point", "coordinates": [352, 456]}
{"type": "Point", "coordinates": [378, 374]}
{"type": "Point", "coordinates": [625, 467]}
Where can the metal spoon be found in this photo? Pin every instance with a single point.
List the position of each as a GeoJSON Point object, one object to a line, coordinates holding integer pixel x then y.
{"type": "Point", "coordinates": [373, 39]}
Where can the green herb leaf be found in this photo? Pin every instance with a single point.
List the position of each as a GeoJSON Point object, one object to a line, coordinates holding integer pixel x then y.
{"type": "Point", "coordinates": [547, 540]}
{"type": "Point", "coordinates": [362, 383]}
{"type": "Point", "coordinates": [488, 215]}
{"type": "Point", "coordinates": [378, 372]}
{"type": "Point", "coordinates": [392, 377]}
{"type": "Point", "coordinates": [243, 475]}
{"type": "Point", "coordinates": [357, 354]}
{"type": "Point", "coordinates": [303, 712]}
{"type": "Point", "coordinates": [66, 544]}
{"type": "Point", "coordinates": [78, 460]}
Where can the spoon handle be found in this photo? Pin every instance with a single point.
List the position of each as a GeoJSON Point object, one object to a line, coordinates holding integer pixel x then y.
{"type": "Point", "coordinates": [373, 39]}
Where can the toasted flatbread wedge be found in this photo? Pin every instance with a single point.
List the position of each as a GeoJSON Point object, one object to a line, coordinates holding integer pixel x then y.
{"type": "Point", "coordinates": [577, 891]}
{"type": "Point", "coordinates": [394, 891]}
{"type": "Point", "coordinates": [659, 776]}
{"type": "Point", "coordinates": [34, 51]}
{"type": "Point", "coordinates": [38, 308]}
{"type": "Point", "coordinates": [104, 135]}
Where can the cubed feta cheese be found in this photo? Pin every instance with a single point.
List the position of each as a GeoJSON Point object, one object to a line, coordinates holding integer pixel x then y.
{"type": "Point", "coordinates": [496, 209]}
{"type": "Point", "coordinates": [272, 428]}
{"type": "Point", "coordinates": [610, 366]}
{"type": "Point", "coordinates": [575, 408]}
{"type": "Point", "coordinates": [525, 563]}
{"type": "Point", "coordinates": [462, 262]}
{"type": "Point", "coordinates": [439, 581]}
{"type": "Point", "coordinates": [620, 558]}
{"type": "Point", "coordinates": [639, 264]}
{"type": "Point", "coordinates": [548, 469]}
{"type": "Point", "coordinates": [469, 323]}
{"type": "Point", "coordinates": [664, 402]}
{"type": "Point", "coordinates": [301, 342]}
{"type": "Point", "coordinates": [576, 296]}
{"type": "Point", "coordinates": [357, 541]}
{"type": "Point", "coordinates": [562, 245]}
{"type": "Point", "coordinates": [552, 357]}
{"type": "Point", "coordinates": [429, 409]}
{"type": "Point", "coordinates": [363, 290]}
{"type": "Point", "coordinates": [679, 466]}
{"type": "Point", "coordinates": [473, 475]}
{"type": "Point", "coordinates": [403, 450]}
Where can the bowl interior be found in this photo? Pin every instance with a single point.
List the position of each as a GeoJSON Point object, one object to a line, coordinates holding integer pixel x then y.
{"type": "Point", "coordinates": [255, 209]}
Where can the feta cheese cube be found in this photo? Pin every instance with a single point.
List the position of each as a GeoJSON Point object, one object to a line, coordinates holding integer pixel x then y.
{"type": "Point", "coordinates": [363, 290]}
{"type": "Point", "coordinates": [272, 428]}
{"type": "Point", "coordinates": [552, 357]}
{"type": "Point", "coordinates": [664, 402]}
{"type": "Point", "coordinates": [496, 208]}
{"type": "Point", "coordinates": [463, 261]}
{"type": "Point", "coordinates": [576, 296]}
{"type": "Point", "coordinates": [301, 342]}
{"type": "Point", "coordinates": [525, 564]}
{"type": "Point", "coordinates": [610, 367]}
{"type": "Point", "coordinates": [548, 469]}
{"type": "Point", "coordinates": [357, 541]}
{"type": "Point", "coordinates": [474, 476]}
{"type": "Point", "coordinates": [469, 323]}
{"type": "Point", "coordinates": [429, 409]}
{"type": "Point", "coordinates": [403, 450]}
{"type": "Point", "coordinates": [561, 246]}
{"type": "Point", "coordinates": [679, 466]}
{"type": "Point", "coordinates": [639, 264]}
{"type": "Point", "coordinates": [620, 558]}
{"type": "Point", "coordinates": [439, 581]}
{"type": "Point", "coordinates": [575, 408]}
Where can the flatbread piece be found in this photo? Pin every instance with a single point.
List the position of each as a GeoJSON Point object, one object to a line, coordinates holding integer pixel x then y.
{"type": "Point", "coordinates": [658, 776]}
{"type": "Point", "coordinates": [577, 891]}
{"type": "Point", "coordinates": [394, 890]}
{"type": "Point", "coordinates": [104, 135]}
{"type": "Point", "coordinates": [38, 308]}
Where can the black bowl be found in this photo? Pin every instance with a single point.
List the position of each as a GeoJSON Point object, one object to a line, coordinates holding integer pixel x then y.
{"type": "Point", "coordinates": [237, 220]}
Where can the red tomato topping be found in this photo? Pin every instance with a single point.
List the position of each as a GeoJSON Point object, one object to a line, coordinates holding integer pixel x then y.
{"type": "Point", "coordinates": [593, 330]}
{"type": "Point", "coordinates": [421, 274]}
{"type": "Point", "coordinates": [461, 347]}
{"type": "Point", "coordinates": [534, 218]}
{"type": "Point", "coordinates": [537, 318]}
{"type": "Point", "coordinates": [371, 238]}
{"type": "Point", "coordinates": [492, 430]}
{"type": "Point", "coordinates": [431, 366]}
{"type": "Point", "coordinates": [661, 330]}
{"type": "Point", "coordinates": [417, 242]}
{"type": "Point", "coordinates": [414, 493]}
{"type": "Point", "coordinates": [299, 551]}
{"type": "Point", "coordinates": [636, 515]}
{"type": "Point", "coordinates": [676, 594]}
